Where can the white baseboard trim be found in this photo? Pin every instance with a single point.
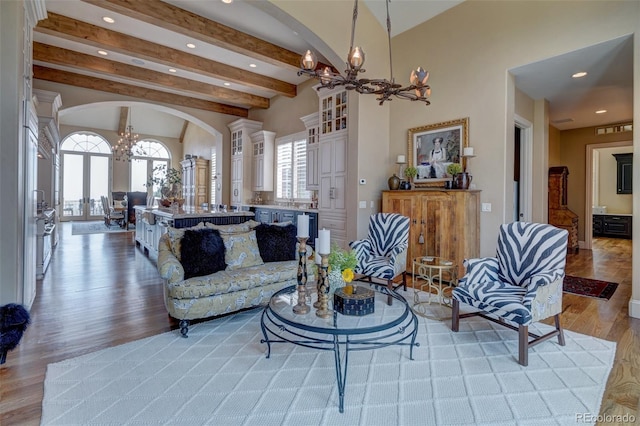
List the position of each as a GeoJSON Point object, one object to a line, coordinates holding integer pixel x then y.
{"type": "Point", "coordinates": [634, 308]}
{"type": "Point", "coordinates": [581, 245]}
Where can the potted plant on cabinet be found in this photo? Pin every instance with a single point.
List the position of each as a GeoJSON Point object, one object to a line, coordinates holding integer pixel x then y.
{"type": "Point", "coordinates": [410, 173]}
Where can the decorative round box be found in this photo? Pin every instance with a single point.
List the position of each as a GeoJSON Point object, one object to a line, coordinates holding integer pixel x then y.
{"type": "Point", "coordinates": [361, 302]}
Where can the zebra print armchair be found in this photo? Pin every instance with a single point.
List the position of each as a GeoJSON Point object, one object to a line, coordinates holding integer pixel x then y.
{"type": "Point", "coordinates": [521, 285]}
{"type": "Point", "coordinates": [383, 254]}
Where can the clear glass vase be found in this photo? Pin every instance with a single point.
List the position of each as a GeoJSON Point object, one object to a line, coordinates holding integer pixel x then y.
{"type": "Point", "coordinates": [335, 281]}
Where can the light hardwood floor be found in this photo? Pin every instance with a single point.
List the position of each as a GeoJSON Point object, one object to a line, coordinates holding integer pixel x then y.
{"type": "Point", "coordinates": [101, 291]}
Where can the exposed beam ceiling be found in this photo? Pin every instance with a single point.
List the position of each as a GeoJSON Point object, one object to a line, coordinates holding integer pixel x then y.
{"type": "Point", "coordinates": [73, 79]}
{"type": "Point", "coordinates": [200, 28]}
{"type": "Point", "coordinates": [81, 61]}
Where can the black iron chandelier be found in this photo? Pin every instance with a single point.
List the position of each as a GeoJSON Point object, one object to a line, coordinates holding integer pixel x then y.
{"type": "Point", "coordinates": [383, 88]}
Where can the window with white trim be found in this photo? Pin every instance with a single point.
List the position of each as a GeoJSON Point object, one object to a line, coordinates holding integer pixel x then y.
{"type": "Point", "coordinates": [291, 168]}
{"type": "Point", "coordinates": [150, 163]}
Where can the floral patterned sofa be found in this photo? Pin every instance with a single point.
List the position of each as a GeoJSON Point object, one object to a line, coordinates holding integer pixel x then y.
{"type": "Point", "coordinates": [259, 260]}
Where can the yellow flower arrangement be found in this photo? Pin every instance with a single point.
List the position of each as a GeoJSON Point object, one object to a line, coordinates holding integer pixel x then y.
{"type": "Point", "coordinates": [347, 275]}
{"type": "Point", "coordinates": [344, 261]}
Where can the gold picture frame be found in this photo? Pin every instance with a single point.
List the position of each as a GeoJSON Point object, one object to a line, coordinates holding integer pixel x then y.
{"type": "Point", "coordinates": [432, 147]}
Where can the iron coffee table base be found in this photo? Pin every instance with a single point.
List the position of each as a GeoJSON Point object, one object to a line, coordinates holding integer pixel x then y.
{"type": "Point", "coordinates": [340, 334]}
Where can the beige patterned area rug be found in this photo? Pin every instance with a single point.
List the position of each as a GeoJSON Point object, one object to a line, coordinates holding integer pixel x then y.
{"type": "Point", "coordinates": [220, 376]}
{"type": "Point", "coordinates": [83, 228]}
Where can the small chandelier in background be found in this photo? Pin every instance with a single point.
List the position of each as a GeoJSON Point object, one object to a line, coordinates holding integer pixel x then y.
{"type": "Point", "coordinates": [126, 147]}
{"type": "Point", "coordinates": [385, 89]}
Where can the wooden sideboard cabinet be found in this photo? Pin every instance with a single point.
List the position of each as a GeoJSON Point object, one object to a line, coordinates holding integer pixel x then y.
{"type": "Point", "coordinates": [444, 223]}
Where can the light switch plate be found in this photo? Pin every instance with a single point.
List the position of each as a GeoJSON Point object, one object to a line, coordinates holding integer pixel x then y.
{"type": "Point", "coordinates": [363, 204]}
{"type": "Point", "coordinates": [486, 207]}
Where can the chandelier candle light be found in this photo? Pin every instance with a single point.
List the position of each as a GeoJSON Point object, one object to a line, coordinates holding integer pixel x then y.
{"type": "Point", "coordinates": [124, 149]}
{"type": "Point", "coordinates": [385, 89]}
{"type": "Point", "coordinates": [301, 307]}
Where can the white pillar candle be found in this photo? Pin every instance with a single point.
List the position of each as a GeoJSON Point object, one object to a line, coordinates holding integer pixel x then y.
{"type": "Point", "coordinates": [303, 225]}
{"type": "Point", "coordinates": [401, 159]}
{"type": "Point", "coordinates": [318, 259]}
{"type": "Point", "coordinates": [468, 151]}
{"type": "Point", "coordinates": [325, 241]}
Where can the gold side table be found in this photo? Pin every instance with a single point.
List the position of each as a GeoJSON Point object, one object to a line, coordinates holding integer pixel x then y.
{"type": "Point", "coordinates": [433, 280]}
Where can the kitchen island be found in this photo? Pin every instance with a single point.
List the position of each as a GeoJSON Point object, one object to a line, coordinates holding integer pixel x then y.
{"type": "Point", "coordinates": [153, 222]}
{"type": "Point", "coordinates": [269, 213]}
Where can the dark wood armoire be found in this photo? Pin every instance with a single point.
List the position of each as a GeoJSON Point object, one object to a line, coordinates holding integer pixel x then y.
{"type": "Point", "coordinates": [559, 214]}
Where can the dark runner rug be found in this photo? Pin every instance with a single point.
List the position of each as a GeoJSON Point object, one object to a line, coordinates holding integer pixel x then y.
{"type": "Point", "coordinates": [589, 287]}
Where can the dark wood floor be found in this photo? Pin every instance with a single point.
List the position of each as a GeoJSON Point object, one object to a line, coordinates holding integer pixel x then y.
{"type": "Point", "coordinates": [101, 291]}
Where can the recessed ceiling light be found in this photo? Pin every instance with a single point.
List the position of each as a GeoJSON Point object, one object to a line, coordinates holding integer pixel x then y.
{"type": "Point", "coordinates": [102, 52]}
{"type": "Point", "coordinates": [601, 111]}
{"type": "Point", "coordinates": [108, 19]}
{"type": "Point", "coordinates": [579, 74]}
{"type": "Point", "coordinates": [226, 83]}
{"type": "Point", "coordinates": [253, 65]}
{"type": "Point", "coordinates": [173, 70]}
{"type": "Point", "coordinates": [137, 61]}
{"type": "Point", "coordinates": [227, 1]}
{"type": "Point", "coordinates": [191, 45]}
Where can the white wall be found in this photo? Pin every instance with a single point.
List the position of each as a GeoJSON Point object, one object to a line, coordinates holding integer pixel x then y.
{"type": "Point", "coordinates": [468, 50]}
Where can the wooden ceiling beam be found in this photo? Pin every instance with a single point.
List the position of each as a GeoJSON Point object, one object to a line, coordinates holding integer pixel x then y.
{"type": "Point", "coordinates": [122, 123]}
{"type": "Point", "coordinates": [56, 55]}
{"type": "Point", "coordinates": [94, 83]}
{"type": "Point", "coordinates": [184, 130]}
{"type": "Point", "coordinates": [74, 30]}
{"type": "Point", "coordinates": [181, 21]}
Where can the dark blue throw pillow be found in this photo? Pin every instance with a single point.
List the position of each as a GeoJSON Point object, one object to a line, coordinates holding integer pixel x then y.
{"type": "Point", "coordinates": [276, 243]}
{"type": "Point", "coordinates": [202, 252]}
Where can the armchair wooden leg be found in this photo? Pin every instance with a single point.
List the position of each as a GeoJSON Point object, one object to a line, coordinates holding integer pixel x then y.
{"type": "Point", "coordinates": [404, 280]}
{"type": "Point", "coordinates": [560, 331]}
{"type": "Point", "coordinates": [523, 345]}
{"type": "Point", "coordinates": [455, 315]}
{"type": "Point", "coordinates": [390, 287]}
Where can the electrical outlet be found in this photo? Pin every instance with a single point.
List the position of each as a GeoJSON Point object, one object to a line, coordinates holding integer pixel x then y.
{"type": "Point", "coordinates": [486, 207]}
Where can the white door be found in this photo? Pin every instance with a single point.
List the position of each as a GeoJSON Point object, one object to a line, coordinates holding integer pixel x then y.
{"type": "Point", "coordinates": [85, 177]}
{"type": "Point", "coordinates": [523, 169]}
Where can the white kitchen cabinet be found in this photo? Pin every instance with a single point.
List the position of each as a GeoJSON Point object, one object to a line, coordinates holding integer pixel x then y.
{"type": "Point", "coordinates": [241, 159]}
{"type": "Point", "coordinates": [311, 122]}
{"type": "Point", "coordinates": [263, 143]}
{"type": "Point", "coordinates": [332, 164]}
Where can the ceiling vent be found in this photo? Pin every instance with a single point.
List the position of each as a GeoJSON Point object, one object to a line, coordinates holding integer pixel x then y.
{"type": "Point", "coordinates": [563, 120]}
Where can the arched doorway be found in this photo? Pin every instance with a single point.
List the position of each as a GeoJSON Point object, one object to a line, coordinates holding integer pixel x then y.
{"type": "Point", "coordinates": [86, 175]}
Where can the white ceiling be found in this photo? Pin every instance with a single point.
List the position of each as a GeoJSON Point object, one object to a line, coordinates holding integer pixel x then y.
{"type": "Point", "coordinates": [608, 84]}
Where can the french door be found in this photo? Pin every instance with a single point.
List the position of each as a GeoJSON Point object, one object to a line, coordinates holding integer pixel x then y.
{"type": "Point", "coordinates": [85, 177]}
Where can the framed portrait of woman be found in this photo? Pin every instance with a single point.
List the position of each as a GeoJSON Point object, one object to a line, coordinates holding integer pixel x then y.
{"type": "Point", "coordinates": [433, 147]}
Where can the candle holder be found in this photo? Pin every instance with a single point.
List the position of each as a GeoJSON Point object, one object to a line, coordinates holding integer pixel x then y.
{"type": "Point", "coordinates": [301, 307]}
{"type": "Point", "coordinates": [323, 310]}
{"type": "Point", "coordinates": [316, 304]}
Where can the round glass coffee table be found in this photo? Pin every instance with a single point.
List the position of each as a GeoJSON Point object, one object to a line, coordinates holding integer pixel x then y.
{"type": "Point", "coordinates": [433, 280]}
{"type": "Point", "coordinates": [394, 324]}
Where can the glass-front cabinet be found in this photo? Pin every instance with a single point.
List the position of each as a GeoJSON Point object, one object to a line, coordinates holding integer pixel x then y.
{"type": "Point", "coordinates": [236, 142]}
{"type": "Point", "coordinates": [331, 161]}
{"type": "Point", "coordinates": [241, 159]}
{"type": "Point", "coordinates": [311, 122]}
{"type": "Point", "coordinates": [333, 112]}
